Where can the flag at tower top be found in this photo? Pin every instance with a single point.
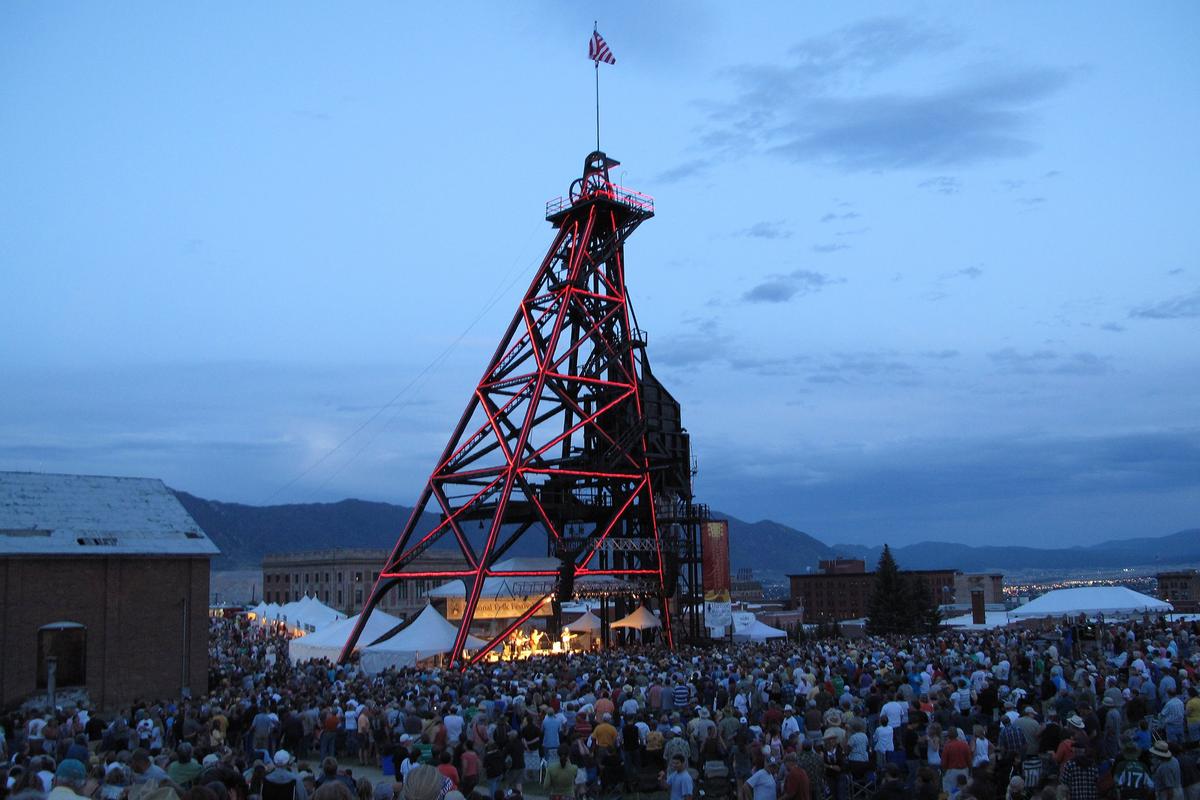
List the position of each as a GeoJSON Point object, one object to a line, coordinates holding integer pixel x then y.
{"type": "Point", "coordinates": [598, 49]}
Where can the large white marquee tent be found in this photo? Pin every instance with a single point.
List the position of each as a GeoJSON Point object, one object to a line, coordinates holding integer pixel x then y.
{"type": "Point", "coordinates": [328, 642]}
{"type": "Point", "coordinates": [426, 636]}
{"type": "Point", "coordinates": [1091, 601]}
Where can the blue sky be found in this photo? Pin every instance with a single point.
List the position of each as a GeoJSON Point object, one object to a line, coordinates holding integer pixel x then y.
{"type": "Point", "coordinates": [919, 272]}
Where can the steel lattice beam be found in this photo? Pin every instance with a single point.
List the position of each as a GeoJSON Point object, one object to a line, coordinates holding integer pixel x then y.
{"type": "Point", "coordinates": [554, 432]}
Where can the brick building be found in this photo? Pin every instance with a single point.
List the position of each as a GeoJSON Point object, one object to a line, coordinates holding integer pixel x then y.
{"type": "Point", "coordinates": [342, 578]}
{"type": "Point", "coordinates": [1180, 589]}
{"type": "Point", "coordinates": [106, 578]}
{"type": "Point", "coordinates": [843, 589]}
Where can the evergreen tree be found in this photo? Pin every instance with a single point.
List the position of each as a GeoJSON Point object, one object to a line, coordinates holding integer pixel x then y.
{"type": "Point", "coordinates": [886, 609]}
{"type": "Point", "coordinates": [900, 603]}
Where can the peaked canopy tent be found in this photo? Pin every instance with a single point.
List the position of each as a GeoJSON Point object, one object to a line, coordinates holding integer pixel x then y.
{"type": "Point", "coordinates": [426, 636]}
{"type": "Point", "coordinates": [639, 620]}
{"type": "Point", "coordinates": [308, 615]}
{"type": "Point", "coordinates": [757, 631]}
{"type": "Point", "coordinates": [586, 623]}
{"type": "Point", "coordinates": [1092, 601]}
{"type": "Point", "coordinates": [328, 642]}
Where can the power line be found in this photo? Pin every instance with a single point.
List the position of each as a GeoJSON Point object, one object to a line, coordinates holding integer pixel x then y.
{"type": "Point", "coordinates": [513, 275]}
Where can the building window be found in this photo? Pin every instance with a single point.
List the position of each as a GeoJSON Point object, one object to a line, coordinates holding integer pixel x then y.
{"type": "Point", "coordinates": [66, 644]}
{"type": "Point", "coordinates": [358, 597]}
{"type": "Point", "coordinates": [339, 577]}
{"type": "Point", "coordinates": [358, 577]}
{"type": "Point", "coordinates": [327, 577]}
{"type": "Point", "coordinates": [339, 597]}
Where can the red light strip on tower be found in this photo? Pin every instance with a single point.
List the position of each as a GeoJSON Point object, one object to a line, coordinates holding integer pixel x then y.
{"type": "Point", "coordinates": [443, 523]}
{"type": "Point", "coordinates": [454, 573]}
{"type": "Point", "coordinates": [463, 544]}
{"type": "Point", "coordinates": [585, 573]}
{"type": "Point", "coordinates": [613, 522]}
{"type": "Point", "coordinates": [580, 473]}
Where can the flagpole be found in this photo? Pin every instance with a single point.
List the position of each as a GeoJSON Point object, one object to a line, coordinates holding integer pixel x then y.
{"type": "Point", "coordinates": [594, 31]}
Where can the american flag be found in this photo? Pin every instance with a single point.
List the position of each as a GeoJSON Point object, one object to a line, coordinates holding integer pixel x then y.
{"type": "Point", "coordinates": [598, 49]}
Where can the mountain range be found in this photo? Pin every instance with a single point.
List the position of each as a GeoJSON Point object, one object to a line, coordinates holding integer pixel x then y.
{"type": "Point", "coordinates": [246, 533]}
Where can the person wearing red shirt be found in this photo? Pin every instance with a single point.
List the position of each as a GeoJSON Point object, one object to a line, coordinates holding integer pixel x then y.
{"type": "Point", "coordinates": [796, 785]}
{"type": "Point", "coordinates": [447, 769]}
{"type": "Point", "coordinates": [956, 759]}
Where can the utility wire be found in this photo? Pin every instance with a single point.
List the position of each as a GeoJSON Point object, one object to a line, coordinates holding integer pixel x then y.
{"type": "Point", "coordinates": [514, 274]}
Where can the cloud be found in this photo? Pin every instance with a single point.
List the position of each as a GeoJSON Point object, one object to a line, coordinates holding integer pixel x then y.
{"type": "Point", "coordinates": [842, 367]}
{"type": "Point", "coordinates": [1113, 327]}
{"type": "Point", "coordinates": [830, 248]}
{"type": "Point", "coordinates": [833, 217]}
{"type": "Point", "coordinates": [1186, 306]}
{"type": "Point", "coordinates": [940, 355]}
{"type": "Point", "coordinates": [782, 288]}
{"type": "Point", "coordinates": [1075, 488]}
{"type": "Point", "coordinates": [688, 169]}
{"type": "Point", "coordinates": [1176, 271]}
{"type": "Point", "coordinates": [966, 272]}
{"type": "Point", "coordinates": [943, 184]}
{"type": "Point", "coordinates": [766, 230]}
{"type": "Point", "coordinates": [1031, 201]}
{"type": "Point", "coordinates": [821, 105]}
{"type": "Point", "coordinates": [1049, 362]}
{"type": "Point", "coordinates": [705, 342]}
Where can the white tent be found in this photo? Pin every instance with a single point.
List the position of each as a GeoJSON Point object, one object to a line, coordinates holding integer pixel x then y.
{"type": "Point", "coordinates": [309, 615]}
{"type": "Point", "coordinates": [270, 613]}
{"type": "Point", "coordinates": [992, 619]}
{"type": "Point", "coordinates": [1111, 601]}
{"type": "Point", "coordinates": [640, 620]}
{"type": "Point", "coordinates": [328, 642]}
{"type": "Point", "coordinates": [427, 635]}
{"type": "Point", "coordinates": [587, 623]}
{"type": "Point", "coordinates": [257, 611]}
{"type": "Point", "coordinates": [757, 631]}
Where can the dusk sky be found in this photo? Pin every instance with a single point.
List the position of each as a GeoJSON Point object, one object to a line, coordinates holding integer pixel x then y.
{"type": "Point", "coordinates": [917, 272]}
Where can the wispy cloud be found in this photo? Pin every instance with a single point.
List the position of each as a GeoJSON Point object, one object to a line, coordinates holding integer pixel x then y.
{"type": "Point", "coordinates": [766, 230]}
{"type": "Point", "coordinates": [835, 217]}
{"type": "Point", "coordinates": [830, 248]}
{"type": "Point", "coordinates": [1049, 362]}
{"type": "Point", "coordinates": [782, 288]}
{"type": "Point", "coordinates": [1186, 306]}
{"type": "Point", "coordinates": [819, 104]}
{"type": "Point", "coordinates": [943, 184]}
{"type": "Point", "coordinates": [970, 273]}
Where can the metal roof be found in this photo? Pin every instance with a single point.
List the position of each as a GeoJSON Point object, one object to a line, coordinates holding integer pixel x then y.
{"type": "Point", "coordinates": [93, 515]}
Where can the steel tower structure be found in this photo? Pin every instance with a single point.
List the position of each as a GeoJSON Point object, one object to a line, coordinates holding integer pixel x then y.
{"type": "Point", "coordinates": [568, 437]}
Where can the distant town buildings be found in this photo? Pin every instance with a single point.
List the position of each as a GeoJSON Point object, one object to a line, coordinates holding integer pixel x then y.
{"type": "Point", "coordinates": [104, 582]}
{"type": "Point", "coordinates": [342, 578]}
{"type": "Point", "coordinates": [841, 590]}
{"type": "Point", "coordinates": [1180, 589]}
{"type": "Point", "coordinates": [745, 587]}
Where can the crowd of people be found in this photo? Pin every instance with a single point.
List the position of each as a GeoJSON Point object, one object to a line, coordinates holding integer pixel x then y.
{"type": "Point", "coordinates": [1000, 715]}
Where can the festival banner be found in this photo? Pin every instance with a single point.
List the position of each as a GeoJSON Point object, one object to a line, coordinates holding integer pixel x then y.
{"type": "Point", "coordinates": [714, 554]}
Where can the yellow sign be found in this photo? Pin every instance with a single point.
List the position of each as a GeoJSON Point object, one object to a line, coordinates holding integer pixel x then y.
{"type": "Point", "coordinates": [496, 608]}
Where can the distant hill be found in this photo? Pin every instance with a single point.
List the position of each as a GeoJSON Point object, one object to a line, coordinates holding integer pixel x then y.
{"type": "Point", "coordinates": [246, 533]}
{"type": "Point", "coordinates": [1175, 548]}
